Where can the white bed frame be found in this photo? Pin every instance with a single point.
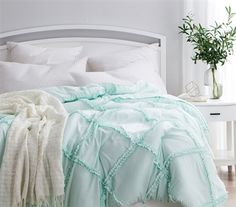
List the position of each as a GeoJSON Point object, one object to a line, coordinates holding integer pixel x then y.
{"type": "Point", "coordinates": [96, 40]}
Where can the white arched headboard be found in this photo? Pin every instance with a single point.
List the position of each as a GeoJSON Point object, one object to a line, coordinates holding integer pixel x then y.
{"type": "Point", "coordinates": [96, 39]}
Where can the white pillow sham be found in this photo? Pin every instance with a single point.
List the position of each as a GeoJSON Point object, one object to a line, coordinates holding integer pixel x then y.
{"type": "Point", "coordinates": [25, 53]}
{"type": "Point", "coordinates": [18, 76]}
{"type": "Point", "coordinates": [132, 73]}
{"type": "Point", "coordinates": [113, 61]}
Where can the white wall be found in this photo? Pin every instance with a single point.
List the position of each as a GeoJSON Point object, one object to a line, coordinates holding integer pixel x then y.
{"type": "Point", "coordinates": [161, 16]}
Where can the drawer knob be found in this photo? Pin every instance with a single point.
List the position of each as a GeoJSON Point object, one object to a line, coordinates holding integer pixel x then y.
{"type": "Point", "coordinates": [215, 114]}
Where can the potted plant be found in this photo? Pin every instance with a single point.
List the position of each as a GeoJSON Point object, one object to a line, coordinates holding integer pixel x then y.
{"type": "Point", "coordinates": [211, 45]}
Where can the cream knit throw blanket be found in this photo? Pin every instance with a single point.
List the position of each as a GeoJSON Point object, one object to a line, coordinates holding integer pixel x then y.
{"type": "Point", "coordinates": [31, 173]}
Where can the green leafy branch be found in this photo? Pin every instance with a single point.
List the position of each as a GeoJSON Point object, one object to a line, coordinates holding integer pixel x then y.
{"type": "Point", "coordinates": [212, 45]}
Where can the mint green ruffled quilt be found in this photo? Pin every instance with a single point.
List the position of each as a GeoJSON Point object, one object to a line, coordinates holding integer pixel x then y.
{"type": "Point", "coordinates": [124, 144]}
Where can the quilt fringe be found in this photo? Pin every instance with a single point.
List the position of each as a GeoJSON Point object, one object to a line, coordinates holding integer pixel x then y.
{"type": "Point", "coordinates": [48, 202]}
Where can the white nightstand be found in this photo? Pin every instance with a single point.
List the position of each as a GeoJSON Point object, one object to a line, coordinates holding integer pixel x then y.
{"type": "Point", "coordinates": [220, 110]}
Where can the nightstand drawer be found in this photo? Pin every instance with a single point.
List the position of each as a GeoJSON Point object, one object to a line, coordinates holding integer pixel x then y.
{"type": "Point", "coordinates": [216, 113]}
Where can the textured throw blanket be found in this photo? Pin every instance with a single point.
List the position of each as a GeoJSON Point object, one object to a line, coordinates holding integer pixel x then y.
{"type": "Point", "coordinates": [31, 172]}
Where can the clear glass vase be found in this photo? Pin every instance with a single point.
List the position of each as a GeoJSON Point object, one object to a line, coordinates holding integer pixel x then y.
{"type": "Point", "coordinates": [212, 82]}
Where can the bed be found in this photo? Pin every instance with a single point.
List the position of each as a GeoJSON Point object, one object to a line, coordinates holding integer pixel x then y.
{"type": "Point", "coordinates": [104, 40]}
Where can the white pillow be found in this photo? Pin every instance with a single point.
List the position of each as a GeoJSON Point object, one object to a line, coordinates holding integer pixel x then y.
{"type": "Point", "coordinates": [117, 60]}
{"type": "Point", "coordinates": [137, 71]}
{"type": "Point", "coordinates": [18, 76]}
{"type": "Point", "coordinates": [25, 53]}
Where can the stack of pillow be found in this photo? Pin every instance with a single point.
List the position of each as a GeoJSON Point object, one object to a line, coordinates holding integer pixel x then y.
{"type": "Point", "coordinates": [32, 67]}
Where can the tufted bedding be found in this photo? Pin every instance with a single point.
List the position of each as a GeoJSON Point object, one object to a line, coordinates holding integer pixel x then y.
{"type": "Point", "coordinates": [128, 144]}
